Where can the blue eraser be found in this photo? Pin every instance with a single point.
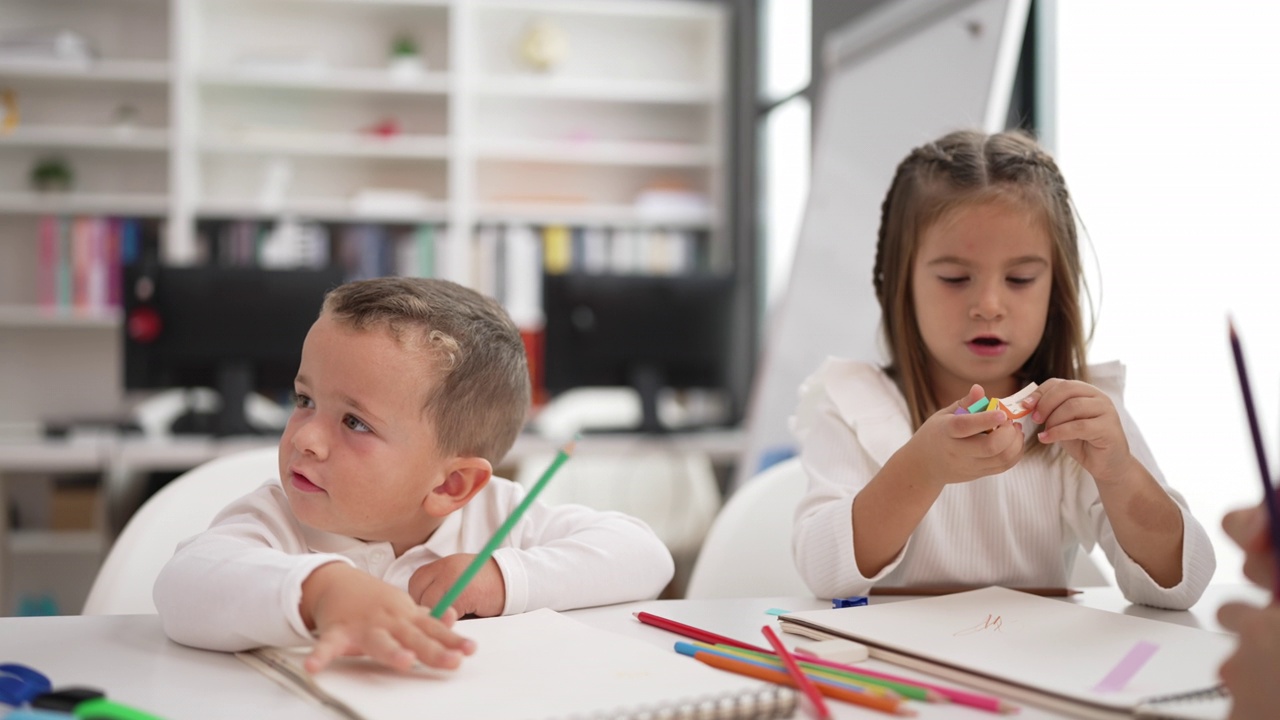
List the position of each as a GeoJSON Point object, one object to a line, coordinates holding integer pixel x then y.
{"type": "Point", "coordinates": [851, 601]}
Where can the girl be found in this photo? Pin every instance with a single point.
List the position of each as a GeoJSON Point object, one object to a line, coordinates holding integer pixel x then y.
{"type": "Point", "coordinates": [977, 274]}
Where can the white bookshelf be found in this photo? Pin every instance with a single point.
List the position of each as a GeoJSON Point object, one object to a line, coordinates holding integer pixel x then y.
{"type": "Point", "coordinates": [222, 93]}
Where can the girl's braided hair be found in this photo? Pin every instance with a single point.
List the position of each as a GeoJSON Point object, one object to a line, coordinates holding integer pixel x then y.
{"type": "Point", "coordinates": [965, 168]}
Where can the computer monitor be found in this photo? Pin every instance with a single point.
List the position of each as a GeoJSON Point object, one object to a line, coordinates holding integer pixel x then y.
{"type": "Point", "coordinates": [646, 332]}
{"type": "Point", "coordinates": [234, 329]}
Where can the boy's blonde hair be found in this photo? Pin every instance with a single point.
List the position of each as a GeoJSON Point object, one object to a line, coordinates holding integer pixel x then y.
{"type": "Point", "coordinates": [481, 399]}
{"type": "Point", "coordinates": [967, 168]}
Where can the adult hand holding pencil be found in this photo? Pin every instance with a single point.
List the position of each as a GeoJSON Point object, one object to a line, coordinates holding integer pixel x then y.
{"type": "Point", "coordinates": [1255, 431]}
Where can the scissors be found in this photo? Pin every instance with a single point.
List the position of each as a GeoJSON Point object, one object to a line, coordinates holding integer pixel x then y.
{"type": "Point", "coordinates": [19, 684]}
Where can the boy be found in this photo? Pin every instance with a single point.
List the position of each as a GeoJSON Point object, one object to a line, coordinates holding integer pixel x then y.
{"type": "Point", "coordinates": [409, 390]}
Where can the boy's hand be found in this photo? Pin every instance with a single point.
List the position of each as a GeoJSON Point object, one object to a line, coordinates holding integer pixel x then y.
{"type": "Point", "coordinates": [354, 613]}
{"type": "Point", "coordinates": [960, 448]}
{"type": "Point", "coordinates": [1084, 422]}
{"type": "Point", "coordinates": [484, 596]}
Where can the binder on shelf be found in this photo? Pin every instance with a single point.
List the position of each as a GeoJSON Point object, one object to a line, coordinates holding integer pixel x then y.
{"type": "Point", "coordinates": [539, 664]}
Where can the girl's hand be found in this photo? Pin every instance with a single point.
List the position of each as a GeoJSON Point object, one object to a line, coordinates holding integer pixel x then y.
{"type": "Point", "coordinates": [1084, 422]}
{"type": "Point", "coordinates": [960, 448]}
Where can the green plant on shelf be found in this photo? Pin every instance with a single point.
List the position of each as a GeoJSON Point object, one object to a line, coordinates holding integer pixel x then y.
{"type": "Point", "coordinates": [406, 61]}
{"type": "Point", "coordinates": [52, 175]}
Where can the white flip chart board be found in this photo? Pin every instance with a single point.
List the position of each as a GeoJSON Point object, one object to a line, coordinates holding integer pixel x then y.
{"type": "Point", "coordinates": [900, 76]}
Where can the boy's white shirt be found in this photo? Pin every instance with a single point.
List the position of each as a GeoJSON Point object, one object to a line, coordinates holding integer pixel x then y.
{"type": "Point", "coordinates": [238, 585]}
{"type": "Point", "coordinates": [1022, 527]}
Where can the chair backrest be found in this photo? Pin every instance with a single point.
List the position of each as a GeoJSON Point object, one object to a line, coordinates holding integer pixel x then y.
{"type": "Point", "coordinates": [747, 552]}
{"type": "Point", "coordinates": [180, 509]}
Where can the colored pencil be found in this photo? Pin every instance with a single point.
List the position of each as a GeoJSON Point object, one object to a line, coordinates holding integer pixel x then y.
{"type": "Point", "coordinates": [804, 682]}
{"type": "Point", "coordinates": [480, 559]}
{"type": "Point", "coordinates": [831, 689]}
{"type": "Point", "coordinates": [959, 697]}
{"type": "Point", "coordinates": [911, 691]}
{"type": "Point", "coordinates": [690, 631]}
{"type": "Point", "coordinates": [815, 673]}
{"type": "Point", "coordinates": [951, 589]}
{"type": "Point", "coordinates": [1268, 490]}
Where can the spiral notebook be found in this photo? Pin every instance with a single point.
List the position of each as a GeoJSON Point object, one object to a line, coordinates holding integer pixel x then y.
{"type": "Point", "coordinates": [535, 666]}
{"type": "Point", "coordinates": [1053, 653]}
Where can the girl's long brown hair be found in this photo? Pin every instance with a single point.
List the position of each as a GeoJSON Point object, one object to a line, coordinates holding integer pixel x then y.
{"type": "Point", "coordinates": [963, 168]}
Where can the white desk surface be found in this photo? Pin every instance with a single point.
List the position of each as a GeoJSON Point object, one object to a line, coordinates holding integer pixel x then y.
{"type": "Point", "coordinates": [129, 657]}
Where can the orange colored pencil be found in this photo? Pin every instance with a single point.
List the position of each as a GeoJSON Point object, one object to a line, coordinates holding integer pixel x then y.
{"type": "Point", "coordinates": [863, 699]}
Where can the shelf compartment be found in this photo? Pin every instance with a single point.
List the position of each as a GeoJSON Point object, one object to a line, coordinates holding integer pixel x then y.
{"type": "Point", "coordinates": [104, 138]}
{"type": "Point", "coordinates": [329, 145]}
{"type": "Point", "coordinates": [615, 216]}
{"type": "Point", "coordinates": [597, 152]}
{"type": "Point", "coordinates": [351, 80]}
{"type": "Point", "coordinates": [35, 316]}
{"type": "Point", "coordinates": [74, 203]}
{"type": "Point", "coordinates": [321, 209]}
{"type": "Point", "coordinates": [316, 184]}
{"type": "Point", "coordinates": [99, 71]}
{"type": "Point", "coordinates": [599, 89]}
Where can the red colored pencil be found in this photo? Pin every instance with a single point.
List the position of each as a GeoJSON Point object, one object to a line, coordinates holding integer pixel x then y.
{"type": "Point", "coordinates": [802, 681]}
{"type": "Point", "coordinates": [690, 631]}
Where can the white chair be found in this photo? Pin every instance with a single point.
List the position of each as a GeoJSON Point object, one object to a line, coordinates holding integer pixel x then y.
{"type": "Point", "coordinates": [747, 552]}
{"type": "Point", "coordinates": [674, 492]}
{"type": "Point", "coordinates": [180, 509]}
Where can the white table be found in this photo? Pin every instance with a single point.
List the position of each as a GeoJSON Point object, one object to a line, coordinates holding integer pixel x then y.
{"type": "Point", "coordinates": [129, 657]}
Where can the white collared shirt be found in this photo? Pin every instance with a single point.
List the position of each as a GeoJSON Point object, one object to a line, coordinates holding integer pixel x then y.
{"type": "Point", "coordinates": [238, 585]}
{"type": "Point", "coordinates": [1021, 527]}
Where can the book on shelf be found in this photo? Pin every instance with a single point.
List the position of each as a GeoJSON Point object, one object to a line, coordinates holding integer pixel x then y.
{"type": "Point", "coordinates": [1053, 653]}
{"type": "Point", "coordinates": [80, 260]}
{"type": "Point", "coordinates": [539, 664]}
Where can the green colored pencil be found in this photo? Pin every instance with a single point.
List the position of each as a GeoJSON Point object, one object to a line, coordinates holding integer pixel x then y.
{"type": "Point", "coordinates": [463, 580]}
{"type": "Point", "coordinates": [912, 692]}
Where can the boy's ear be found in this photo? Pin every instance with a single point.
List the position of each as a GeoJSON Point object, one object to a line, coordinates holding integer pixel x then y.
{"type": "Point", "coordinates": [464, 477]}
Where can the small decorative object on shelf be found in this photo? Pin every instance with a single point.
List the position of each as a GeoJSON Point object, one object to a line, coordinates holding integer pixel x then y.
{"type": "Point", "coordinates": [387, 128]}
{"type": "Point", "coordinates": [406, 62]}
{"type": "Point", "coordinates": [52, 175]}
{"type": "Point", "coordinates": [8, 111]}
{"type": "Point", "coordinates": [125, 119]}
{"type": "Point", "coordinates": [544, 45]}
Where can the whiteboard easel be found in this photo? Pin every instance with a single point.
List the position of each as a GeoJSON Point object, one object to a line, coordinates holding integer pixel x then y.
{"type": "Point", "coordinates": [903, 75]}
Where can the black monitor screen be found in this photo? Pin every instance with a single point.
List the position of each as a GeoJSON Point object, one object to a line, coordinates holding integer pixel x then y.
{"type": "Point", "coordinates": [234, 329]}
{"type": "Point", "coordinates": [647, 332]}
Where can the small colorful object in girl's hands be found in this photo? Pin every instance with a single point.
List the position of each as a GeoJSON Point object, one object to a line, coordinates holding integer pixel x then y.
{"type": "Point", "coordinates": [1010, 406]}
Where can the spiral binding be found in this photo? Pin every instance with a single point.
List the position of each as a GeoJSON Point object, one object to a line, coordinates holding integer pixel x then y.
{"type": "Point", "coordinates": [762, 703]}
{"type": "Point", "coordinates": [1213, 693]}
